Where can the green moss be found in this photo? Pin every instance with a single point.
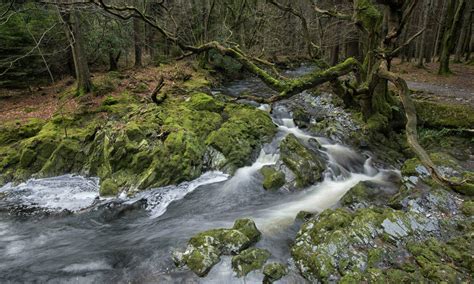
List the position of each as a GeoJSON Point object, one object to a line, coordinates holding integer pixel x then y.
{"type": "Point", "coordinates": [440, 114]}
{"type": "Point", "coordinates": [249, 260]}
{"type": "Point", "coordinates": [13, 132]}
{"type": "Point", "coordinates": [273, 272]}
{"type": "Point", "coordinates": [108, 187]}
{"type": "Point", "coordinates": [105, 84]}
{"type": "Point", "coordinates": [272, 179]}
{"type": "Point", "coordinates": [241, 135]}
{"type": "Point", "coordinates": [411, 166]}
{"type": "Point", "coordinates": [367, 14]}
{"type": "Point", "coordinates": [248, 228]}
{"type": "Point", "coordinates": [377, 123]}
{"type": "Point", "coordinates": [140, 88]}
{"type": "Point", "coordinates": [204, 102]}
{"type": "Point", "coordinates": [201, 260]}
{"type": "Point", "coordinates": [358, 193]}
{"type": "Point", "coordinates": [305, 164]}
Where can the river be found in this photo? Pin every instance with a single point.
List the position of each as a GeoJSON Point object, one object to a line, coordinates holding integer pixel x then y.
{"type": "Point", "coordinates": [67, 234]}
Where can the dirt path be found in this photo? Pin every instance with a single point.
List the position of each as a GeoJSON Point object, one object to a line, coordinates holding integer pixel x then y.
{"type": "Point", "coordinates": [427, 84]}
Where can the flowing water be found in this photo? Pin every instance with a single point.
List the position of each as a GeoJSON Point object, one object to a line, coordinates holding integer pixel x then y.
{"type": "Point", "coordinates": [68, 234]}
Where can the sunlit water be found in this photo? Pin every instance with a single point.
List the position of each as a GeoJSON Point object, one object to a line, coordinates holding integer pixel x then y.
{"type": "Point", "coordinates": [130, 239]}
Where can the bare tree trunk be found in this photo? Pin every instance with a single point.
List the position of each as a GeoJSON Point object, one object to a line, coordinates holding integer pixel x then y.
{"type": "Point", "coordinates": [422, 47]}
{"type": "Point", "coordinates": [74, 35]}
{"type": "Point", "coordinates": [463, 37]}
{"type": "Point", "coordinates": [453, 17]}
{"type": "Point", "coordinates": [137, 38]}
{"type": "Point", "coordinates": [439, 30]}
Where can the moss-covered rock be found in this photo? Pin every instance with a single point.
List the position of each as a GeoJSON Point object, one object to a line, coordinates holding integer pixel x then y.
{"type": "Point", "coordinates": [305, 164]}
{"type": "Point", "coordinates": [205, 248]}
{"type": "Point", "coordinates": [134, 144]}
{"type": "Point", "coordinates": [380, 243]}
{"type": "Point", "coordinates": [249, 260]}
{"type": "Point", "coordinates": [272, 179]}
{"type": "Point", "coordinates": [274, 271]}
{"type": "Point", "coordinates": [468, 208]}
{"type": "Point", "coordinates": [204, 102]}
{"type": "Point", "coordinates": [241, 135]}
{"type": "Point", "coordinates": [108, 187]}
{"type": "Point", "coordinates": [248, 228]}
{"type": "Point", "coordinates": [443, 114]}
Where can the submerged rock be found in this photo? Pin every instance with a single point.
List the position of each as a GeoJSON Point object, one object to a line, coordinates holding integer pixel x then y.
{"type": "Point", "coordinates": [304, 163]}
{"type": "Point", "coordinates": [205, 248]}
{"type": "Point", "coordinates": [274, 271]}
{"type": "Point", "coordinates": [249, 260]}
{"type": "Point", "coordinates": [366, 193]}
{"type": "Point", "coordinates": [272, 178]}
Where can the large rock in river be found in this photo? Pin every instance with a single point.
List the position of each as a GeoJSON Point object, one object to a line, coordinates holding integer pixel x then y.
{"type": "Point", "coordinates": [304, 163]}
{"type": "Point", "coordinates": [205, 248]}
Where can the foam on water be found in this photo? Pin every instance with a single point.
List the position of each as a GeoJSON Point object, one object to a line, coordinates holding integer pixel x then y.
{"type": "Point", "coordinates": [68, 192]}
{"type": "Point", "coordinates": [159, 199]}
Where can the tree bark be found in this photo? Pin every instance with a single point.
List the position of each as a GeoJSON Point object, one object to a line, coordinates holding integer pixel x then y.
{"type": "Point", "coordinates": [453, 16]}
{"type": "Point", "coordinates": [463, 36]}
{"type": "Point", "coordinates": [422, 47]}
{"type": "Point", "coordinates": [74, 35]}
{"type": "Point", "coordinates": [138, 43]}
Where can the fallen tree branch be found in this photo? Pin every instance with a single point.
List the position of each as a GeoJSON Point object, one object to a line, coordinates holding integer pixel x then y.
{"type": "Point", "coordinates": [154, 95]}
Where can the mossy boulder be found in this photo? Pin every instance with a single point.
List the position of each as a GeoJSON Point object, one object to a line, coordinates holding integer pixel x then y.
{"type": "Point", "coordinates": [273, 272]}
{"type": "Point", "coordinates": [444, 114]}
{"type": "Point", "coordinates": [241, 135]}
{"type": "Point", "coordinates": [272, 179]}
{"type": "Point", "coordinates": [204, 102]}
{"type": "Point", "coordinates": [378, 243]}
{"type": "Point", "coordinates": [304, 163]}
{"type": "Point", "coordinates": [468, 208]}
{"type": "Point", "coordinates": [205, 248]}
{"type": "Point", "coordinates": [248, 228]}
{"type": "Point", "coordinates": [249, 260]}
{"type": "Point", "coordinates": [108, 187]}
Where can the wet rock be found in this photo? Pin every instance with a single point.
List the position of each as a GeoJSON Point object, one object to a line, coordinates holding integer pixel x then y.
{"type": "Point", "coordinates": [376, 244]}
{"type": "Point", "coordinates": [205, 248]}
{"type": "Point", "coordinates": [200, 260]}
{"type": "Point", "coordinates": [305, 164]}
{"type": "Point", "coordinates": [248, 228]}
{"type": "Point", "coordinates": [272, 179]}
{"type": "Point", "coordinates": [249, 260]}
{"type": "Point", "coordinates": [304, 216]}
{"type": "Point", "coordinates": [108, 187]}
{"type": "Point", "coordinates": [301, 118]}
{"type": "Point", "coordinates": [274, 271]}
{"type": "Point", "coordinates": [366, 193]}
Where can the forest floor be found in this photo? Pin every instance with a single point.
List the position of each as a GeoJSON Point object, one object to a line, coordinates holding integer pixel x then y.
{"type": "Point", "coordinates": [427, 84]}
{"type": "Point", "coordinates": [44, 101]}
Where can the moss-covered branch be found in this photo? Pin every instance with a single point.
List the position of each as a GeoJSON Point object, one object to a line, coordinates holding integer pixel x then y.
{"type": "Point", "coordinates": [411, 125]}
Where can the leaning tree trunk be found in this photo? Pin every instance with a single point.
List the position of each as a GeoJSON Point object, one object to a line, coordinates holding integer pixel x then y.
{"type": "Point", "coordinates": [74, 35]}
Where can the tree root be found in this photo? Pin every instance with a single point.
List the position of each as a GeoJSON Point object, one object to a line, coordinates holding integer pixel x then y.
{"type": "Point", "coordinates": [411, 126]}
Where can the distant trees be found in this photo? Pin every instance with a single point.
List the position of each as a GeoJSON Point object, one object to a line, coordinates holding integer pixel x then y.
{"type": "Point", "coordinates": [269, 29]}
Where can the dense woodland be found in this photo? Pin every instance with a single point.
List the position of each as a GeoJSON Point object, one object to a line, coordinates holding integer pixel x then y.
{"type": "Point", "coordinates": [37, 36]}
{"type": "Point", "coordinates": [344, 127]}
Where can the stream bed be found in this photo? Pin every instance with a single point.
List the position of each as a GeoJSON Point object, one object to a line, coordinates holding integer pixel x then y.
{"type": "Point", "coordinates": [63, 232]}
